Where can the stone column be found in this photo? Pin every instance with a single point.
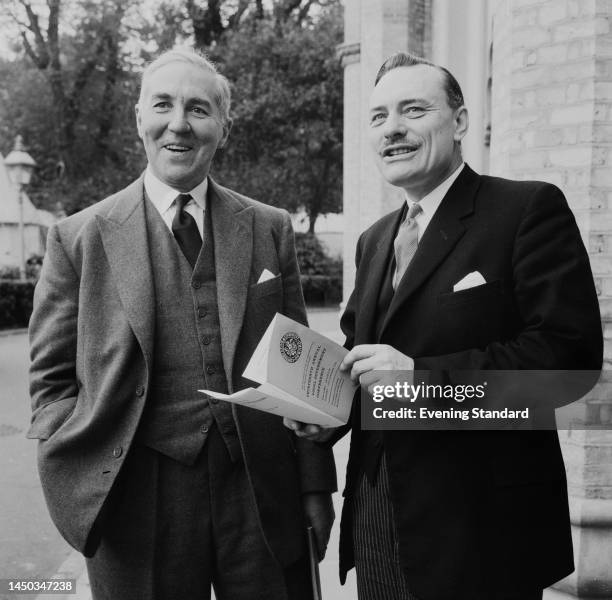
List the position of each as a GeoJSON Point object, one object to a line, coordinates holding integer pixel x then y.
{"type": "Point", "coordinates": [552, 121]}
{"type": "Point", "coordinates": [373, 31]}
{"type": "Point", "coordinates": [453, 34]}
{"type": "Point", "coordinates": [459, 43]}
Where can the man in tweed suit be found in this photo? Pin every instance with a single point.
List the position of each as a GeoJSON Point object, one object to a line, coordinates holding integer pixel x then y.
{"type": "Point", "coordinates": [472, 273]}
{"type": "Point", "coordinates": [153, 293]}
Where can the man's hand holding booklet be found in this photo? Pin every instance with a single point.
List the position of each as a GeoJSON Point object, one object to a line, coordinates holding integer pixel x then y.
{"type": "Point", "coordinates": [299, 374]}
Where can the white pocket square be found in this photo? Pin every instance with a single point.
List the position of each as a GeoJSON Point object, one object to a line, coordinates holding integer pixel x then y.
{"type": "Point", "coordinates": [265, 275]}
{"type": "Point", "coordinates": [471, 280]}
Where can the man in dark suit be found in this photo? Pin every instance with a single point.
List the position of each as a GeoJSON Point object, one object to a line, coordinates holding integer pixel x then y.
{"type": "Point", "coordinates": [472, 273]}
{"type": "Point", "coordinates": [153, 293]}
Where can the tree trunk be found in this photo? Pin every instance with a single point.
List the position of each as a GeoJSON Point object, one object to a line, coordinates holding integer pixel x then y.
{"type": "Point", "coordinates": [312, 219]}
{"type": "Point", "coordinates": [107, 104]}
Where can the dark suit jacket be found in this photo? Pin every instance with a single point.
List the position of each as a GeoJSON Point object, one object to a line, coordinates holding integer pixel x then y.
{"type": "Point", "coordinates": [479, 511]}
{"type": "Point", "coordinates": [92, 335]}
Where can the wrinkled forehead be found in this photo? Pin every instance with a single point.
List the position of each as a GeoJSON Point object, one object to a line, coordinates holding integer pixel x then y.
{"type": "Point", "coordinates": [168, 77]}
{"type": "Point", "coordinates": [418, 82]}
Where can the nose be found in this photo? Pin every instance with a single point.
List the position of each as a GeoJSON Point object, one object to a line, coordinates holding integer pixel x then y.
{"type": "Point", "coordinates": [395, 126]}
{"type": "Point", "coordinates": [178, 121]}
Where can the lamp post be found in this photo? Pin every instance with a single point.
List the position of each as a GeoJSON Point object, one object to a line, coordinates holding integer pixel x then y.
{"type": "Point", "coordinates": [20, 166]}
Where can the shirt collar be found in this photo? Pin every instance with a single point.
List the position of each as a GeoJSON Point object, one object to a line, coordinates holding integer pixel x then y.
{"type": "Point", "coordinates": [162, 195]}
{"type": "Point", "coordinates": [431, 201]}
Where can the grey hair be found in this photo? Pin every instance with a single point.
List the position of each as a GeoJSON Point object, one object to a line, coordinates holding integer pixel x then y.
{"type": "Point", "coordinates": [404, 59]}
{"type": "Point", "coordinates": [222, 97]}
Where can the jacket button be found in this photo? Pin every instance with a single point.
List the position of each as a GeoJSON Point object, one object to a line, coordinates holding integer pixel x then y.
{"type": "Point", "coordinates": [206, 340]}
{"type": "Point", "coordinates": [210, 370]}
{"type": "Point", "coordinates": [140, 391]}
{"type": "Point", "coordinates": [196, 284]}
{"type": "Point", "coordinates": [204, 429]}
{"type": "Point", "coordinates": [214, 401]}
{"type": "Point", "coordinates": [117, 452]}
{"type": "Point", "coordinates": [202, 312]}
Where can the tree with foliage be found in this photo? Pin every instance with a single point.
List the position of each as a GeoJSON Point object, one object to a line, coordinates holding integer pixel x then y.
{"type": "Point", "coordinates": [72, 91]}
{"type": "Point", "coordinates": [280, 57]}
{"type": "Point", "coordinates": [204, 23]}
{"type": "Point", "coordinates": [71, 95]}
{"type": "Point", "coordinates": [286, 142]}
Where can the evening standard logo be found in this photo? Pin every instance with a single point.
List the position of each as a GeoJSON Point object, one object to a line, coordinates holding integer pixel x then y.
{"type": "Point", "coordinates": [291, 347]}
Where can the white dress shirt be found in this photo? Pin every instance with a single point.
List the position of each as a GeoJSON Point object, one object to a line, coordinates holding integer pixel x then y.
{"type": "Point", "coordinates": [163, 196]}
{"type": "Point", "coordinates": [431, 201]}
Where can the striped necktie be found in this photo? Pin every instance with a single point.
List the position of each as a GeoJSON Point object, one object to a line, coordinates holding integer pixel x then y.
{"type": "Point", "coordinates": [406, 243]}
{"type": "Point", "coordinates": [186, 230]}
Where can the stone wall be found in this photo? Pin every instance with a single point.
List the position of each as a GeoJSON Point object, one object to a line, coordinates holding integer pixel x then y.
{"type": "Point", "coordinates": [552, 114]}
{"type": "Point", "coordinates": [552, 120]}
{"type": "Point", "coordinates": [550, 111]}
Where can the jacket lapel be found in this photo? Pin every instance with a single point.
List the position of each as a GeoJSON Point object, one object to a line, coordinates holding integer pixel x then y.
{"type": "Point", "coordinates": [376, 268]}
{"type": "Point", "coordinates": [441, 236]}
{"type": "Point", "coordinates": [232, 225]}
{"type": "Point", "coordinates": [124, 236]}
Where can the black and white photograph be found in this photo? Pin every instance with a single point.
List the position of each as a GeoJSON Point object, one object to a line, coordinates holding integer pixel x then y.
{"type": "Point", "coordinates": [306, 299]}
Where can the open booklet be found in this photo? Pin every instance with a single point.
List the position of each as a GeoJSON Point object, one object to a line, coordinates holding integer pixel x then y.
{"type": "Point", "coordinates": [300, 377]}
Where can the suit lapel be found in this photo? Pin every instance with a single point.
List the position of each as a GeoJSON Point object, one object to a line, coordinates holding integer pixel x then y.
{"type": "Point", "coordinates": [441, 236]}
{"type": "Point", "coordinates": [232, 225]}
{"type": "Point", "coordinates": [124, 236]}
{"type": "Point", "coordinates": [376, 268]}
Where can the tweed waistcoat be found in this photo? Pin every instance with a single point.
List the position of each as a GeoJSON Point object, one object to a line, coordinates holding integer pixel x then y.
{"type": "Point", "coordinates": [187, 350]}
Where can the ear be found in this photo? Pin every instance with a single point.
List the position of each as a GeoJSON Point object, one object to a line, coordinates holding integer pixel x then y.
{"type": "Point", "coordinates": [227, 127]}
{"type": "Point", "coordinates": [462, 123]}
{"type": "Point", "coordinates": [138, 120]}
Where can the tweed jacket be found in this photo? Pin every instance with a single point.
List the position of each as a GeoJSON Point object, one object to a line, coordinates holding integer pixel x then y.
{"type": "Point", "coordinates": [92, 332]}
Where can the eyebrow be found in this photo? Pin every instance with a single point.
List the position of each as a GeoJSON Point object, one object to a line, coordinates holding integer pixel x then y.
{"type": "Point", "coordinates": [194, 100]}
{"type": "Point", "coordinates": [403, 103]}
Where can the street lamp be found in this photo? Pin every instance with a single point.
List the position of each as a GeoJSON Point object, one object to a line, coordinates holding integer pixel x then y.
{"type": "Point", "coordinates": [19, 166]}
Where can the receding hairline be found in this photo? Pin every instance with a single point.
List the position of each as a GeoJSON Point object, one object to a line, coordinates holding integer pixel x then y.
{"type": "Point", "coordinates": [149, 73]}
{"type": "Point", "coordinates": [440, 74]}
{"type": "Point", "coordinates": [222, 95]}
{"type": "Point", "coordinates": [450, 85]}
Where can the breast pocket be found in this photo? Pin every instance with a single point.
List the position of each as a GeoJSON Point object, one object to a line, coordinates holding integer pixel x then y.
{"type": "Point", "coordinates": [266, 288]}
{"type": "Point", "coordinates": [484, 293]}
{"type": "Point", "coordinates": [475, 317]}
{"type": "Point", "coordinates": [264, 301]}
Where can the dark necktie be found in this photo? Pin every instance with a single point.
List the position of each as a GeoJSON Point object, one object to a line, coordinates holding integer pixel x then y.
{"type": "Point", "coordinates": [186, 231]}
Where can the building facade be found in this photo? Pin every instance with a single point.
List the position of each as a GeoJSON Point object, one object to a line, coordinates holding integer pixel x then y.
{"type": "Point", "coordinates": [537, 79]}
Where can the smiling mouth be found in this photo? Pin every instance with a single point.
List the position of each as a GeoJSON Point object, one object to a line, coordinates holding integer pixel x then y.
{"type": "Point", "coordinates": [398, 150]}
{"type": "Point", "coordinates": [177, 148]}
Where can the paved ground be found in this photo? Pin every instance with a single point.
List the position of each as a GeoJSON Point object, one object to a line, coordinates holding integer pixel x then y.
{"type": "Point", "coordinates": [30, 547]}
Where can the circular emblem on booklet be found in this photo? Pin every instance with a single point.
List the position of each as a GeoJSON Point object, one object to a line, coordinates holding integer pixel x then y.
{"type": "Point", "coordinates": [291, 347]}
